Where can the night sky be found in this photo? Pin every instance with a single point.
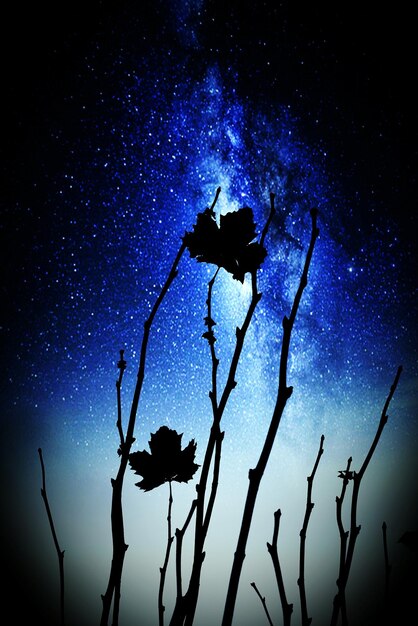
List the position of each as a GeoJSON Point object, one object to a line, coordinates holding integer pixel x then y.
{"type": "Point", "coordinates": [120, 121]}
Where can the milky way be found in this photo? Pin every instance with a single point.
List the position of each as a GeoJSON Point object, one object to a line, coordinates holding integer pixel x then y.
{"type": "Point", "coordinates": [154, 114]}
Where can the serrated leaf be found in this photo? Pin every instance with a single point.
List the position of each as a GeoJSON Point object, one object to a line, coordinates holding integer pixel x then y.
{"type": "Point", "coordinates": [230, 245]}
{"type": "Point", "coordinates": [166, 462]}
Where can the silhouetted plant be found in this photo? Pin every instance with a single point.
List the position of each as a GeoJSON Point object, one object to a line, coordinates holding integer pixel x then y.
{"type": "Point", "coordinates": [346, 475]}
{"type": "Point", "coordinates": [230, 246]}
{"type": "Point", "coordinates": [126, 440]}
{"type": "Point", "coordinates": [388, 567]}
{"type": "Point", "coordinates": [356, 478]}
{"type": "Point", "coordinates": [256, 474]}
{"type": "Point", "coordinates": [167, 462]}
{"type": "Point", "coordinates": [263, 602]}
{"type": "Point", "coordinates": [273, 551]}
{"type": "Point", "coordinates": [309, 506]}
{"type": "Point", "coordinates": [60, 553]}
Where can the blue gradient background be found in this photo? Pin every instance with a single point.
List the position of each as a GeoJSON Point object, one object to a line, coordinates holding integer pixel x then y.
{"type": "Point", "coordinates": [122, 124]}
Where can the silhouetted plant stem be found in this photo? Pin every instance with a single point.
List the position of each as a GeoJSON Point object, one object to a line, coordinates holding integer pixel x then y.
{"type": "Point", "coordinates": [60, 553]}
{"type": "Point", "coordinates": [263, 602]}
{"type": "Point", "coordinates": [343, 534]}
{"type": "Point", "coordinates": [122, 368]}
{"type": "Point", "coordinates": [273, 551]}
{"type": "Point", "coordinates": [163, 569]}
{"type": "Point", "coordinates": [118, 535]}
{"type": "Point", "coordinates": [354, 528]}
{"type": "Point", "coordinates": [388, 567]}
{"type": "Point", "coordinates": [309, 506]}
{"type": "Point", "coordinates": [256, 474]}
{"type": "Point", "coordinates": [179, 543]}
{"type": "Point", "coordinates": [185, 607]}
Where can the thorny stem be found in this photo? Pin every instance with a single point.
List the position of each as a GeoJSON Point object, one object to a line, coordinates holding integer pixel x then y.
{"type": "Point", "coordinates": [118, 535]}
{"type": "Point", "coordinates": [163, 569]}
{"type": "Point", "coordinates": [272, 549]}
{"type": "Point", "coordinates": [354, 528]}
{"type": "Point", "coordinates": [309, 506]}
{"type": "Point", "coordinates": [256, 474]}
{"type": "Point", "coordinates": [263, 602]}
{"type": "Point", "coordinates": [186, 605]}
{"type": "Point", "coordinates": [60, 553]}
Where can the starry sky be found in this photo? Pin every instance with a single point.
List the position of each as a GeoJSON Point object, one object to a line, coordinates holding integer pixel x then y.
{"type": "Point", "coordinates": [119, 124]}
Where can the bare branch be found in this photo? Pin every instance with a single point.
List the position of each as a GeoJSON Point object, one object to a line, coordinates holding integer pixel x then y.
{"type": "Point", "coordinates": [309, 506]}
{"type": "Point", "coordinates": [256, 474]}
{"type": "Point", "coordinates": [345, 475]}
{"type": "Point", "coordinates": [273, 551]}
{"type": "Point", "coordinates": [354, 528]}
{"type": "Point", "coordinates": [263, 602]}
{"type": "Point", "coordinates": [186, 606]}
{"type": "Point", "coordinates": [179, 543]}
{"type": "Point", "coordinates": [118, 533]}
{"type": "Point", "coordinates": [163, 569]}
{"type": "Point", "coordinates": [60, 553]}
{"type": "Point", "coordinates": [122, 368]}
{"type": "Point", "coordinates": [388, 567]}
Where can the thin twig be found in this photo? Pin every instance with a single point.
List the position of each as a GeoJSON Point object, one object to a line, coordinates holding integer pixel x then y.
{"type": "Point", "coordinates": [354, 528]}
{"type": "Point", "coordinates": [263, 602]}
{"type": "Point", "coordinates": [179, 544]}
{"type": "Point", "coordinates": [256, 474]}
{"type": "Point", "coordinates": [118, 534]}
{"type": "Point", "coordinates": [163, 569]}
{"type": "Point", "coordinates": [273, 551]}
{"type": "Point", "coordinates": [388, 567]}
{"type": "Point", "coordinates": [122, 368]}
{"type": "Point", "coordinates": [60, 553]}
{"type": "Point", "coordinates": [186, 605]}
{"type": "Point", "coordinates": [215, 200]}
{"type": "Point", "coordinates": [343, 533]}
{"type": "Point", "coordinates": [309, 506]}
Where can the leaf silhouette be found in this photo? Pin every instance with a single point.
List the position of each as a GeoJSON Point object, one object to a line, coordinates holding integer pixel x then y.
{"type": "Point", "coordinates": [229, 245]}
{"type": "Point", "coordinates": [166, 462]}
{"type": "Point", "coordinates": [204, 242]}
